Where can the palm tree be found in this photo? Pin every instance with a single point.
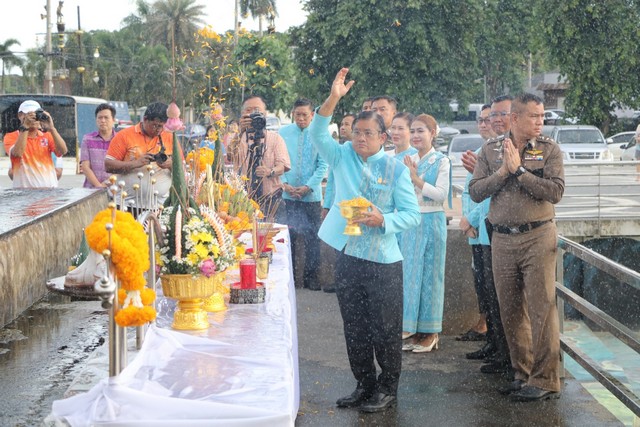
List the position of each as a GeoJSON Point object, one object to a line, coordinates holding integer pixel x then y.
{"type": "Point", "coordinates": [9, 59]}
{"type": "Point", "coordinates": [173, 23]}
{"type": "Point", "coordinates": [258, 9]}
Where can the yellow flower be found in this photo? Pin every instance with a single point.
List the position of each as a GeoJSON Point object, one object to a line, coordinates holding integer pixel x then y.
{"type": "Point", "coordinates": [262, 63]}
{"type": "Point", "coordinates": [201, 251]}
{"type": "Point", "coordinates": [192, 258]}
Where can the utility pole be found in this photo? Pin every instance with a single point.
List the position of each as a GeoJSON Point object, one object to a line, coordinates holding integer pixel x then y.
{"type": "Point", "coordinates": [48, 54]}
{"type": "Point", "coordinates": [235, 24]}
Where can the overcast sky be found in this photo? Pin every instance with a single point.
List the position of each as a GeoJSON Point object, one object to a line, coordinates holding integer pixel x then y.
{"type": "Point", "coordinates": [21, 19]}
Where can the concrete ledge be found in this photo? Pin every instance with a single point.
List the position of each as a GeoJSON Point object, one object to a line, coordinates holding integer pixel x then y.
{"type": "Point", "coordinates": [38, 247]}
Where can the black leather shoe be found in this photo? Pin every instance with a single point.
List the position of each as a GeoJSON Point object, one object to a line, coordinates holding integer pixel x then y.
{"type": "Point", "coordinates": [486, 351]}
{"type": "Point", "coordinates": [356, 398]}
{"type": "Point", "coordinates": [329, 290]}
{"type": "Point", "coordinates": [378, 402]}
{"type": "Point", "coordinates": [530, 393]}
{"type": "Point", "coordinates": [472, 335]}
{"type": "Point", "coordinates": [495, 368]}
{"type": "Point", "coordinates": [515, 385]}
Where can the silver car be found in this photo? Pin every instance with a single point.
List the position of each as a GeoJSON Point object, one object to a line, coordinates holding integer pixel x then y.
{"type": "Point", "coordinates": [460, 144]}
{"type": "Point", "coordinates": [581, 143]}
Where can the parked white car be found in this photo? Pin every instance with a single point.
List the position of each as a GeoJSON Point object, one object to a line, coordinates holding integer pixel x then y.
{"type": "Point", "coordinates": [460, 144]}
{"type": "Point", "coordinates": [629, 151]}
{"type": "Point", "coordinates": [581, 143]}
{"type": "Point", "coordinates": [616, 142]}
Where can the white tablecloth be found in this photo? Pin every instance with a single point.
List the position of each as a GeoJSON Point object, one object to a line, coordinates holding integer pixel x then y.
{"type": "Point", "coordinates": [242, 371]}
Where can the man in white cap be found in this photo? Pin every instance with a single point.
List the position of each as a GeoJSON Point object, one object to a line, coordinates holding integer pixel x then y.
{"type": "Point", "coordinates": [30, 148]}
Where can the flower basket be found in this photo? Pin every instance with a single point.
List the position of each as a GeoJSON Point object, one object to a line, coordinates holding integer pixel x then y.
{"type": "Point", "coordinates": [190, 291]}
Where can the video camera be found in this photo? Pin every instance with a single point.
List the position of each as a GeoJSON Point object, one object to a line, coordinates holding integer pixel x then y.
{"type": "Point", "coordinates": [258, 125]}
{"type": "Point", "coordinates": [41, 116]}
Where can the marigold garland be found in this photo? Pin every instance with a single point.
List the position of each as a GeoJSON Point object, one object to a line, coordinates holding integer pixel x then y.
{"type": "Point", "coordinates": [130, 258]}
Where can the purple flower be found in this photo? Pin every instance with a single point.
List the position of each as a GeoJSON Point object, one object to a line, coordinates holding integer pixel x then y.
{"type": "Point", "coordinates": [208, 267]}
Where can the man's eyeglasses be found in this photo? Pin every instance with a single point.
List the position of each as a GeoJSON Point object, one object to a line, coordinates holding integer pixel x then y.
{"type": "Point", "coordinates": [155, 125]}
{"type": "Point", "coordinates": [487, 121]}
{"type": "Point", "coordinates": [499, 114]}
{"type": "Point", "coordinates": [367, 133]}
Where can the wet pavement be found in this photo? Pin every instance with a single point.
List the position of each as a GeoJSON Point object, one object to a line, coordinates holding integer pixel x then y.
{"type": "Point", "coordinates": [51, 344]}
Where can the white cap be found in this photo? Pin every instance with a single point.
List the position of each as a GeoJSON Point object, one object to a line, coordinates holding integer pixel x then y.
{"type": "Point", "coordinates": [29, 106]}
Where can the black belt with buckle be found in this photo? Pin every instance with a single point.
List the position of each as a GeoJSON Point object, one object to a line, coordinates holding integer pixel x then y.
{"type": "Point", "coordinates": [519, 229]}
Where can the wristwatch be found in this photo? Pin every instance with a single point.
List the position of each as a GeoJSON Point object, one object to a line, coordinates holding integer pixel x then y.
{"type": "Point", "coordinates": [520, 171]}
{"type": "Point", "coordinates": [23, 129]}
{"type": "Point", "coordinates": [273, 173]}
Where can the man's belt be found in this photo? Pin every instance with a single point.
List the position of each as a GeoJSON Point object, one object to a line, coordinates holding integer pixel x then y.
{"type": "Point", "coordinates": [519, 229]}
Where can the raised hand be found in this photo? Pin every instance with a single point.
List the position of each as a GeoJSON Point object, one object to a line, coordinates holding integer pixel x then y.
{"type": "Point", "coordinates": [339, 88]}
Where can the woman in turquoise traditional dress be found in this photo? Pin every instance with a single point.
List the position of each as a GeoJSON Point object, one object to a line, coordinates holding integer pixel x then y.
{"type": "Point", "coordinates": [424, 248]}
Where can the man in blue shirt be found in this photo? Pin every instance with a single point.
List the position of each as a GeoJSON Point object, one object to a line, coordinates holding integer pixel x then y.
{"type": "Point", "coordinates": [369, 266]}
{"type": "Point", "coordinates": [302, 186]}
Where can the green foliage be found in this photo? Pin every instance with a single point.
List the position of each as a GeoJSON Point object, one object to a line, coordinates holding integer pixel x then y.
{"type": "Point", "coordinates": [423, 53]}
{"type": "Point", "coordinates": [595, 46]}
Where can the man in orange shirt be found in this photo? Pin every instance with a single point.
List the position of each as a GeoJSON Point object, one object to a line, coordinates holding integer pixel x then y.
{"type": "Point", "coordinates": [30, 148]}
{"type": "Point", "coordinates": [136, 147]}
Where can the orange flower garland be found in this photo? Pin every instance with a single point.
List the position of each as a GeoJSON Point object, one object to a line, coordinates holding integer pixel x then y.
{"type": "Point", "coordinates": [130, 258]}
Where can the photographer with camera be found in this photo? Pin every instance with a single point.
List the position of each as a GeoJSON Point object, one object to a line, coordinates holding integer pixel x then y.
{"type": "Point", "coordinates": [135, 147]}
{"type": "Point", "coordinates": [262, 156]}
{"type": "Point", "coordinates": [30, 148]}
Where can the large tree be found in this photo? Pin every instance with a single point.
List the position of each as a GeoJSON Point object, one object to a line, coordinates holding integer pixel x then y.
{"type": "Point", "coordinates": [420, 52]}
{"type": "Point", "coordinates": [258, 10]}
{"type": "Point", "coordinates": [8, 58]}
{"type": "Point", "coordinates": [594, 44]}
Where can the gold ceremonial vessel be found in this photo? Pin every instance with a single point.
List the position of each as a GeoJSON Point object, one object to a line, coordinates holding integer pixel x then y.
{"type": "Point", "coordinates": [215, 302]}
{"type": "Point", "coordinates": [352, 210]}
{"type": "Point", "coordinates": [190, 292]}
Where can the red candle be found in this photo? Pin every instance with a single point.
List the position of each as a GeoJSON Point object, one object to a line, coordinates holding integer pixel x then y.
{"type": "Point", "coordinates": [262, 240]}
{"type": "Point", "coordinates": [248, 273]}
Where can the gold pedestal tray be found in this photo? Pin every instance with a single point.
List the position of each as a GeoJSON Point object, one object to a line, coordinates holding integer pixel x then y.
{"type": "Point", "coordinates": [190, 291]}
{"type": "Point", "coordinates": [352, 213]}
{"type": "Point", "coordinates": [215, 302]}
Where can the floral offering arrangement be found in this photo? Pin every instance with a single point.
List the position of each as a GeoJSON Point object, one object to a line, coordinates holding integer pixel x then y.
{"type": "Point", "coordinates": [199, 160]}
{"type": "Point", "coordinates": [195, 242]}
{"type": "Point", "coordinates": [125, 239]}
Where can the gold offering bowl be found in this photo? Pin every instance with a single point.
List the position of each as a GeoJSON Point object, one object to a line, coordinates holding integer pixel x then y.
{"type": "Point", "coordinates": [352, 213]}
{"type": "Point", "coordinates": [215, 302]}
{"type": "Point", "coordinates": [190, 291]}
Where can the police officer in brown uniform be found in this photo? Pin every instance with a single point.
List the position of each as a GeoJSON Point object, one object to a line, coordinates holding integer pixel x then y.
{"type": "Point", "coordinates": [524, 176]}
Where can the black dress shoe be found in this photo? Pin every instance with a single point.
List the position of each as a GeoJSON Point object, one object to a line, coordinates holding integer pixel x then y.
{"type": "Point", "coordinates": [358, 396]}
{"type": "Point", "coordinates": [529, 393]}
{"type": "Point", "coordinates": [486, 351]}
{"type": "Point", "coordinates": [515, 385]}
{"type": "Point", "coordinates": [495, 368]}
{"type": "Point", "coordinates": [472, 335]}
{"type": "Point", "coordinates": [329, 289]}
{"type": "Point", "coordinates": [378, 402]}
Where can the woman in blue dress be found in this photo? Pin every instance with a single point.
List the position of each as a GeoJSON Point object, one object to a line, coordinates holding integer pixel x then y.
{"type": "Point", "coordinates": [424, 248]}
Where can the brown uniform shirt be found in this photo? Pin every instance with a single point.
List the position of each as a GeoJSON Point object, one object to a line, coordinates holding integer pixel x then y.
{"type": "Point", "coordinates": [524, 199]}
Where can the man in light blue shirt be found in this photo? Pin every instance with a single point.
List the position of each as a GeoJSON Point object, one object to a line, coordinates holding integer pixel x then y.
{"type": "Point", "coordinates": [369, 266]}
{"type": "Point", "coordinates": [302, 186]}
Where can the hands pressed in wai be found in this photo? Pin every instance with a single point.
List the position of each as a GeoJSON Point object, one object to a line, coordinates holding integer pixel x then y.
{"type": "Point", "coordinates": [511, 157]}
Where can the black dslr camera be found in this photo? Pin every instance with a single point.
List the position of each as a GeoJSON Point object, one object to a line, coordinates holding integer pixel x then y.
{"type": "Point", "coordinates": [41, 116]}
{"type": "Point", "coordinates": [160, 156]}
{"type": "Point", "coordinates": [258, 125]}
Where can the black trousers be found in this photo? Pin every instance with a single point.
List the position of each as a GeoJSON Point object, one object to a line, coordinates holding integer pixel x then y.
{"type": "Point", "coordinates": [495, 330]}
{"type": "Point", "coordinates": [478, 277]}
{"type": "Point", "coordinates": [370, 299]}
{"type": "Point", "coordinates": [303, 219]}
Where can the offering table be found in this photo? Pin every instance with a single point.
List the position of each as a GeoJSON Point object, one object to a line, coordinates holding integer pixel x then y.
{"type": "Point", "coordinates": [241, 371]}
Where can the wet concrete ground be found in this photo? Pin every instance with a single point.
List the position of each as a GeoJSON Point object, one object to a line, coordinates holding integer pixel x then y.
{"type": "Point", "coordinates": [41, 352]}
{"type": "Point", "coordinates": [47, 347]}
